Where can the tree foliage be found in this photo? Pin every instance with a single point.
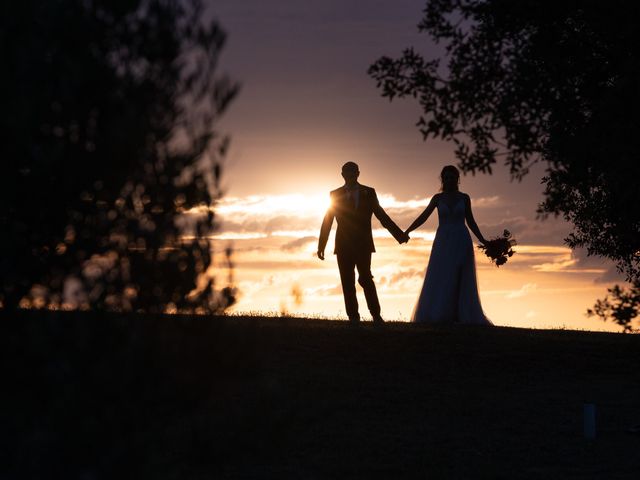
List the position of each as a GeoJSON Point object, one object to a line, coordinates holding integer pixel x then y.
{"type": "Point", "coordinates": [536, 81]}
{"type": "Point", "coordinates": [621, 306]}
{"type": "Point", "coordinates": [111, 160]}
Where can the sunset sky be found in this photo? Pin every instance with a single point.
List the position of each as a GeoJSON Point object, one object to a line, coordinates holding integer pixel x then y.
{"type": "Point", "coordinates": [306, 107]}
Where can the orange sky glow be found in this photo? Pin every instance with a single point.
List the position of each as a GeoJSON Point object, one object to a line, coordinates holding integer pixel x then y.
{"type": "Point", "coordinates": [274, 242]}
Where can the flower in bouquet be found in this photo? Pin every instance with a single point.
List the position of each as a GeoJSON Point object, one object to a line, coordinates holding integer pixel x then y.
{"type": "Point", "coordinates": [499, 249]}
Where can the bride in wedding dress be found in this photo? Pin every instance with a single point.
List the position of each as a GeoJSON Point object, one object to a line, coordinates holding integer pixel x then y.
{"type": "Point", "coordinates": [450, 290]}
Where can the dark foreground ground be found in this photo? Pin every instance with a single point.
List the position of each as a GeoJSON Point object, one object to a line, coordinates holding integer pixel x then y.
{"type": "Point", "coordinates": [91, 396]}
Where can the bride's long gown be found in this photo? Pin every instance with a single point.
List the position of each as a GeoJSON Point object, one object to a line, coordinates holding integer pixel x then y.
{"type": "Point", "coordinates": [450, 289]}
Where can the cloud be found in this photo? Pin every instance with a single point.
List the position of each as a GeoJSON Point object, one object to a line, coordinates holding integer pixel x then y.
{"type": "Point", "coordinates": [607, 268]}
{"type": "Point", "coordinates": [486, 202]}
{"type": "Point", "coordinates": [300, 215]}
{"type": "Point", "coordinates": [277, 265]}
{"type": "Point", "coordinates": [273, 231]}
{"type": "Point", "coordinates": [611, 275]}
{"type": "Point", "coordinates": [298, 243]}
{"type": "Point", "coordinates": [236, 235]}
{"type": "Point", "coordinates": [262, 215]}
{"type": "Point", "coordinates": [404, 212]}
{"type": "Point", "coordinates": [522, 291]}
{"type": "Point", "coordinates": [578, 261]}
{"type": "Point", "coordinates": [401, 275]}
{"type": "Point", "coordinates": [543, 250]}
{"type": "Point", "coordinates": [561, 264]}
{"type": "Point", "coordinates": [248, 249]}
{"type": "Point", "coordinates": [324, 290]}
{"type": "Point", "coordinates": [526, 230]}
{"type": "Point", "coordinates": [419, 234]}
{"type": "Point", "coordinates": [282, 222]}
{"type": "Point", "coordinates": [389, 201]}
{"type": "Point", "coordinates": [394, 280]}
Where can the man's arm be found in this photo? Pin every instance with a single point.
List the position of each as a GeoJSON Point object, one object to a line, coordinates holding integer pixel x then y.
{"type": "Point", "coordinates": [324, 230]}
{"type": "Point", "coordinates": [386, 221]}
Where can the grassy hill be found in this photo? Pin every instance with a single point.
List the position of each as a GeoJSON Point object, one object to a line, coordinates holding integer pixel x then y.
{"type": "Point", "coordinates": [95, 396]}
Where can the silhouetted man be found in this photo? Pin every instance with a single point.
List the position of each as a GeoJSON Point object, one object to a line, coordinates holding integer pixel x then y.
{"type": "Point", "coordinates": [352, 205]}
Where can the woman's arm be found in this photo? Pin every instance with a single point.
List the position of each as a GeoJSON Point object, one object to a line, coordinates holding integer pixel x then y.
{"type": "Point", "coordinates": [473, 226]}
{"type": "Point", "coordinates": [424, 215]}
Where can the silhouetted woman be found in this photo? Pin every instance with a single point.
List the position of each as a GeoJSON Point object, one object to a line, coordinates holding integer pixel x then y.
{"type": "Point", "coordinates": [450, 289]}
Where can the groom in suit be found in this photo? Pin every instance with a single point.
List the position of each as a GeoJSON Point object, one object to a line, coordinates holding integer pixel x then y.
{"type": "Point", "coordinates": [352, 206]}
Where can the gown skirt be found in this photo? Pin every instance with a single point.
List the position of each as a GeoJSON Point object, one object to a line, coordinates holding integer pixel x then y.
{"type": "Point", "coordinates": [450, 290]}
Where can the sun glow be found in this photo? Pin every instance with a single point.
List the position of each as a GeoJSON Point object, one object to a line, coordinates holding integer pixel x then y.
{"type": "Point", "coordinates": [312, 205]}
{"type": "Point", "coordinates": [296, 215]}
{"type": "Point", "coordinates": [295, 204]}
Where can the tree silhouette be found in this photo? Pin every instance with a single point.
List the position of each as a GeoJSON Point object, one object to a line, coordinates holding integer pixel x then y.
{"type": "Point", "coordinates": [534, 81]}
{"type": "Point", "coordinates": [620, 306]}
{"type": "Point", "coordinates": [110, 158]}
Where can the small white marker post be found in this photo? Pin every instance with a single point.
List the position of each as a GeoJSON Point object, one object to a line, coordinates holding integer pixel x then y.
{"type": "Point", "coordinates": [589, 426]}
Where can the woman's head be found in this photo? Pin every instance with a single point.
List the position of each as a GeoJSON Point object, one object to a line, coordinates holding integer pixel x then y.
{"type": "Point", "coordinates": [449, 178]}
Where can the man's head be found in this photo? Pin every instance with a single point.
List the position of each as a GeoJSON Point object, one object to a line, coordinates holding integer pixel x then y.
{"type": "Point", "coordinates": [350, 173]}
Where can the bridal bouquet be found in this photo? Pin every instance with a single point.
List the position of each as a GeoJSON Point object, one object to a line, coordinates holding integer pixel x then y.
{"type": "Point", "coordinates": [499, 248]}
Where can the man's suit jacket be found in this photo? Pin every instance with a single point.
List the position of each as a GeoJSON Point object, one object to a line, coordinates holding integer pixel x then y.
{"type": "Point", "coordinates": [354, 223]}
